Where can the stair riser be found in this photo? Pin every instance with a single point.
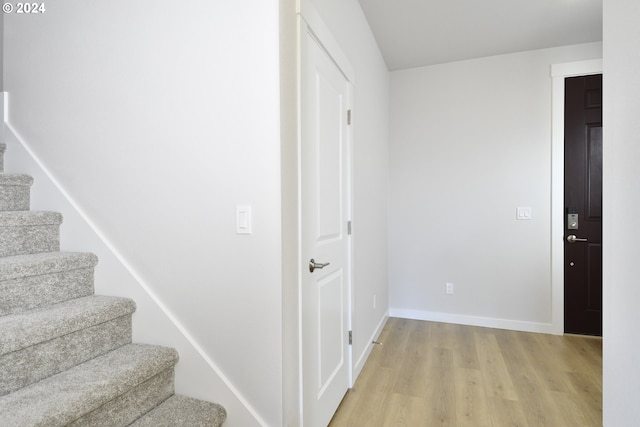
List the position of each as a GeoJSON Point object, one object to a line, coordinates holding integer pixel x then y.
{"type": "Point", "coordinates": [183, 411]}
{"type": "Point", "coordinates": [14, 197]}
{"type": "Point", "coordinates": [23, 367]}
{"type": "Point", "coordinates": [20, 295]}
{"type": "Point", "coordinates": [131, 405]}
{"type": "Point", "coordinates": [29, 239]}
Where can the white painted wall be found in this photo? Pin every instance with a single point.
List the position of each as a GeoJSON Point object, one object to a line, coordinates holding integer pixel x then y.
{"type": "Point", "coordinates": [349, 28]}
{"type": "Point", "coordinates": [157, 119]}
{"type": "Point", "coordinates": [291, 268]}
{"type": "Point", "coordinates": [621, 105]}
{"type": "Point", "coordinates": [1, 51]}
{"type": "Point", "coordinates": [470, 142]}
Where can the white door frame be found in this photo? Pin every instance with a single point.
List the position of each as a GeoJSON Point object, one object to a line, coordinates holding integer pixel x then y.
{"type": "Point", "coordinates": [309, 21]}
{"type": "Point", "coordinates": [558, 73]}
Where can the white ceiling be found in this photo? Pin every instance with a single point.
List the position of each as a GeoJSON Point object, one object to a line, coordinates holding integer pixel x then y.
{"type": "Point", "coordinates": [413, 33]}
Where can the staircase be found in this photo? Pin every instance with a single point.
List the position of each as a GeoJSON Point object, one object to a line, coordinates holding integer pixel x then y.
{"type": "Point", "coordinates": [66, 356]}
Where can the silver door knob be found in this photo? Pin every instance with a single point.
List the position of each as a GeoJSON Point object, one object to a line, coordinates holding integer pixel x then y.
{"type": "Point", "coordinates": [313, 265]}
{"type": "Point", "coordinates": [571, 238]}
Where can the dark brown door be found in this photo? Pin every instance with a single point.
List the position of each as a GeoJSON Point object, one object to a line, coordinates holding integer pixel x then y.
{"type": "Point", "coordinates": [583, 205]}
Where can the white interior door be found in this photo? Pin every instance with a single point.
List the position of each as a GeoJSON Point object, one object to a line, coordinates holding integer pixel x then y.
{"type": "Point", "coordinates": [325, 199]}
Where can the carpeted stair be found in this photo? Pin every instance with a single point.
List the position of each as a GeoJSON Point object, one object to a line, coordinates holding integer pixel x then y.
{"type": "Point", "coordinates": [66, 356]}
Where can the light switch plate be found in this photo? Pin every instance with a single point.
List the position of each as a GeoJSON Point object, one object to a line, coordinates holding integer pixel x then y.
{"type": "Point", "coordinates": [523, 213]}
{"type": "Point", "coordinates": [243, 219]}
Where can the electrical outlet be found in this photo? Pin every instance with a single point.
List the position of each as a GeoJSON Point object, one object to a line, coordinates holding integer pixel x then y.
{"type": "Point", "coordinates": [374, 301]}
{"type": "Point", "coordinates": [448, 288]}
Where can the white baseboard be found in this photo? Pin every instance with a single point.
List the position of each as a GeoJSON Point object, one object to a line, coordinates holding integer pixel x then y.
{"type": "Point", "coordinates": [5, 106]}
{"type": "Point", "coordinates": [462, 319]}
{"type": "Point", "coordinates": [357, 368]}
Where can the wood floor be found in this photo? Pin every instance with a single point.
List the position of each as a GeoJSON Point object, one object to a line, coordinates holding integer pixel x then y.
{"type": "Point", "coordinates": [437, 374]}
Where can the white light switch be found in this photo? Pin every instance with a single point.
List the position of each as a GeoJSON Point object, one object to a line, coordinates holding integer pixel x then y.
{"type": "Point", "coordinates": [243, 219]}
{"type": "Point", "coordinates": [523, 213]}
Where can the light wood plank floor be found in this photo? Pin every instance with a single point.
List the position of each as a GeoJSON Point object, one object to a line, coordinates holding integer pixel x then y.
{"type": "Point", "coordinates": [438, 374]}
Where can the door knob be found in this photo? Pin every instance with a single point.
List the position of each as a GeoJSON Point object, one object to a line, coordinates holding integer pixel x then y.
{"type": "Point", "coordinates": [571, 238]}
{"type": "Point", "coordinates": [313, 265]}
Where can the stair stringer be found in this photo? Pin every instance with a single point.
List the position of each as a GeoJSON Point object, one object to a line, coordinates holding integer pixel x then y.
{"type": "Point", "coordinates": [196, 375]}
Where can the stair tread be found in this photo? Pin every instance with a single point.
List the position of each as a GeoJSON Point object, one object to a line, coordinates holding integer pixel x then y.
{"type": "Point", "coordinates": [22, 218]}
{"type": "Point", "coordinates": [183, 411]}
{"type": "Point", "coordinates": [12, 267]}
{"type": "Point", "coordinates": [15, 179]}
{"type": "Point", "coordinates": [52, 321]}
{"type": "Point", "coordinates": [62, 398]}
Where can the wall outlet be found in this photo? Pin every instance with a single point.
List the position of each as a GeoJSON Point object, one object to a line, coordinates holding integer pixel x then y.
{"type": "Point", "coordinates": [448, 288]}
{"type": "Point", "coordinates": [374, 301]}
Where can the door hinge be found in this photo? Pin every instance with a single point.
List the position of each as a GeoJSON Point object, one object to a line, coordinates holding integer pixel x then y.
{"type": "Point", "coordinates": [349, 228]}
{"type": "Point", "coordinates": [348, 117]}
{"type": "Point", "coordinates": [350, 338]}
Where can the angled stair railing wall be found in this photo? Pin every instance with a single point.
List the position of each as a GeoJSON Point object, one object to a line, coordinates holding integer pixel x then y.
{"type": "Point", "coordinates": [66, 354]}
